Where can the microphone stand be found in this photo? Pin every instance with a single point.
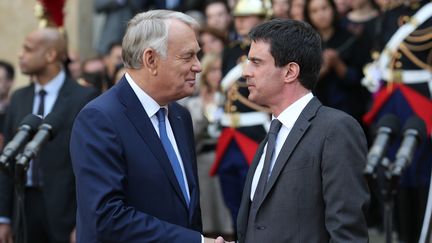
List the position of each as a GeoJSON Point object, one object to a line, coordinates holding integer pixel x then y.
{"type": "Point", "coordinates": [387, 186]}
{"type": "Point", "coordinates": [20, 225]}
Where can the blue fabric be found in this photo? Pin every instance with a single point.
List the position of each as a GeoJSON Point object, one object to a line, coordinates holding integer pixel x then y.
{"type": "Point", "coordinates": [171, 153]}
{"type": "Point", "coordinates": [418, 173]}
{"type": "Point", "coordinates": [126, 188]}
{"type": "Point", "coordinates": [232, 173]}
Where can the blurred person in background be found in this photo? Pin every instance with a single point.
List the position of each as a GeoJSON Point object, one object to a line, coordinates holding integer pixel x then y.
{"type": "Point", "coordinates": [118, 74]}
{"type": "Point", "coordinates": [280, 9]}
{"type": "Point", "coordinates": [74, 64]}
{"type": "Point", "coordinates": [342, 7]}
{"type": "Point", "coordinates": [117, 13]}
{"type": "Point", "coordinates": [400, 78]}
{"type": "Point", "coordinates": [244, 123]}
{"type": "Point", "coordinates": [206, 112]}
{"type": "Point", "coordinates": [112, 60]}
{"type": "Point", "coordinates": [218, 16]}
{"type": "Point", "coordinates": [339, 84]}
{"type": "Point", "coordinates": [94, 75]}
{"type": "Point", "coordinates": [7, 75]}
{"type": "Point", "coordinates": [296, 9]}
{"type": "Point", "coordinates": [211, 40]}
{"type": "Point", "coordinates": [49, 195]}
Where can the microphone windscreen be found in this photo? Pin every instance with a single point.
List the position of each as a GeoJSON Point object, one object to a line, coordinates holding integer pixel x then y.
{"type": "Point", "coordinates": [391, 121]}
{"type": "Point", "coordinates": [54, 120]}
{"type": "Point", "coordinates": [31, 120]}
{"type": "Point", "coordinates": [417, 124]}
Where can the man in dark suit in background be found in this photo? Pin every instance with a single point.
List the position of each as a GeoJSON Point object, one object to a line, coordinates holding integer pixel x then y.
{"type": "Point", "coordinates": [305, 183]}
{"type": "Point", "coordinates": [50, 203]}
{"type": "Point", "coordinates": [132, 148]}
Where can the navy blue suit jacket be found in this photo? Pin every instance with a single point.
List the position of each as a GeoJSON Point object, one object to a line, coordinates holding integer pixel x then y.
{"type": "Point", "coordinates": [126, 188]}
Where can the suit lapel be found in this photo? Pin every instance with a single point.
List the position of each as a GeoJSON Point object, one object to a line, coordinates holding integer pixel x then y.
{"type": "Point", "coordinates": [243, 214]}
{"type": "Point", "coordinates": [180, 136]}
{"type": "Point", "coordinates": [61, 103]}
{"type": "Point", "coordinates": [300, 127]}
{"type": "Point", "coordinates": [138, 117]}
{"type": "Point", "coordinates": [27, 100]}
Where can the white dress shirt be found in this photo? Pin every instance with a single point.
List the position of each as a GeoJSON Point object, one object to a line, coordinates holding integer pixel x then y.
{"type": "Point", "coordinates": [52, 89]}
{"type": "Point", "coordinates": [152, 107]}
{"type": "Point", "coordinates": [288, 117]}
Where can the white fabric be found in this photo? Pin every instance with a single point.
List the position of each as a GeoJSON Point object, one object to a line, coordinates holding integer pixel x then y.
{"type": "Point", "coordinates": [288, 117]}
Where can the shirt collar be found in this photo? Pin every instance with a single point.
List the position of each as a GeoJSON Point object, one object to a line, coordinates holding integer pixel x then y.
{"type": "Point", "coordinates": [290, 115]}
{"type": "Point", "coordinates": [150, 105]}
{"type": "Point", "coordinates": [54, 85]}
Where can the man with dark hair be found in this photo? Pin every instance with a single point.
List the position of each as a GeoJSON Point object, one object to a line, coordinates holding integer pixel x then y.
{"type": "Point", "coordinates": [218, 16]}
{"type": "Point", "coordinates": [133, 149]}
{"type": "Point", "coordinates": [305, 183]}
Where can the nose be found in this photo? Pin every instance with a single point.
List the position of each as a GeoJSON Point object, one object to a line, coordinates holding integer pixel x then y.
{"type": "Point", "coordinates": [196, 67]}
{"type": "Point", "coordinates": [246, 70]}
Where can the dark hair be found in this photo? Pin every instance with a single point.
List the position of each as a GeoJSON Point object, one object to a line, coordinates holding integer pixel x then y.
{"type": "Point", "coordinates": [223, 2]}
{"type": "Point", "coordinates": [112, 46]}
{"type": "Point", "coordinates": [292, 41]}
{"type": "Point", "coordinates": [335, 20]}
{"type": "Point", "coordinates": [10, 72]}
{"type": "Point", "coordinates": [214, 32]}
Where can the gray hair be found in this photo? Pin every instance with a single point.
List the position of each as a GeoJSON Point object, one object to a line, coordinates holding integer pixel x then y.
{"type": "Point", "coordinates": [150, 30]}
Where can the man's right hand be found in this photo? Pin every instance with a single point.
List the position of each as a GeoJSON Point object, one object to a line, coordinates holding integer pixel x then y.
{"type": "Point", "coordinates": [217, 240]}
{"type": "Point", "coordinates": [5, 233]}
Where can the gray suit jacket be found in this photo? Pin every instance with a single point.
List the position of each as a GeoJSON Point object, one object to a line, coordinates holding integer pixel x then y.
{"type": "Point", "coordinates": [316, 191]}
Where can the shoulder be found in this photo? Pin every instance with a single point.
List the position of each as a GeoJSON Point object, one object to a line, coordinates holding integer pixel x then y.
{"type": "Point", "coordinates": [79, 89]}
{"type": "Point", "coordinates": [23, 90]}
{"type": "Point", "coordinates": [335, 120]}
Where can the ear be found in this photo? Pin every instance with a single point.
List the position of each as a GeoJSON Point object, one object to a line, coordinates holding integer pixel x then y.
{"type": "Point", "coordinates": [51, 55]}
{"type": "Point", "coordinates": [150, 61]}
{"type": "Point", "coordinates": [291, 72]}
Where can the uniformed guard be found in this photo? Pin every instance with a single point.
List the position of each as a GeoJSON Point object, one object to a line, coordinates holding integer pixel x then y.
{"type": "Point", "coordinates": [401, 76]}
{"type": "Point", "coordinates": [243, 122]}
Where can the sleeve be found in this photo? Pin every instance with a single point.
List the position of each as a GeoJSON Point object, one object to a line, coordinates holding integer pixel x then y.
{"type": "Point", "coordinates": [345, 190]}
{"type": "Point", "coordinates": [101, 177]}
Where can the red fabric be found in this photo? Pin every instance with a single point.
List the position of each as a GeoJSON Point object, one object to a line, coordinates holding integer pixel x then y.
{"type": "Point", "coordinates": [54, 10]}
{"type": "Point", "coordinates": [247, 146]}
{"type": "Point", "coordinates": [420, 105]}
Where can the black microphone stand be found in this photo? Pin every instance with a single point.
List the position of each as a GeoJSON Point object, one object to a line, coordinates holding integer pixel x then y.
{"type": "Point", "coordinates": [387, 186]}
{"type": "Point", "coordinates": [20, 225]}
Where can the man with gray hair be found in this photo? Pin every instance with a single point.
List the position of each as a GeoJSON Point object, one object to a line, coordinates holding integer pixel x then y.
{"type": "Point", "coordinates": [132, 148]}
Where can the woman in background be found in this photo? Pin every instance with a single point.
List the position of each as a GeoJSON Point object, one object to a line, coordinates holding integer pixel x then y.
{"type": "Point", "coordinates": [339, 83]}
{"type": "Point", "coordinates": [206, 111]}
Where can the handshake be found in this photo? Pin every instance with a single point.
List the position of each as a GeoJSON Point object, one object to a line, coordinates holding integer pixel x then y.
{"type": "Point", "coordinates": [217, 240]}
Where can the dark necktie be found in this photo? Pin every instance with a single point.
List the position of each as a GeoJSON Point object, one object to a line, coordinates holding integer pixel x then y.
{"type": "Point", "coordinates": [41, 108]}
{"type": "Point", "coordinates": [36, 171]}
{"type": "Point", "coordinates": [271, 142]}
{"type": "Point", "coordinates": [171, 153]}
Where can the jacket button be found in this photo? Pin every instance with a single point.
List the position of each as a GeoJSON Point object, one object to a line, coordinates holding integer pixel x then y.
{"type": "Point", "coordinates": [260, 227]}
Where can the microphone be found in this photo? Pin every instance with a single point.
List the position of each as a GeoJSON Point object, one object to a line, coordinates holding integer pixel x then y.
{"type": "Point", "coordinates": [26, 129]}
{"type": "Point", "coordinates": [388, 126]}
{"type": "Point", "coordinates": [47, 131]}
{"type": "Point", "coordinates": [414, 132]}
